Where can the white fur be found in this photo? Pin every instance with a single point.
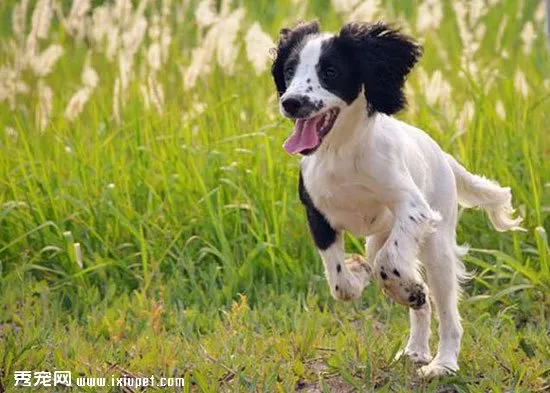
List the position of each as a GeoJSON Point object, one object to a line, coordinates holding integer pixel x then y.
{"type": "Point", "coordinates": [370, 175]}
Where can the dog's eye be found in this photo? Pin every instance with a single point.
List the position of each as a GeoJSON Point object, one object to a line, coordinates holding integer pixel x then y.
{"type": "Point", "coordinates": [330, 73]}
{"type": "Point", "coordinates": [289, 71]}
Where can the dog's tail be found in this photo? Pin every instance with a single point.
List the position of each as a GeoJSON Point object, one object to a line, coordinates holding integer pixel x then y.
{"type": "Point", "coordinates": [478, 191]}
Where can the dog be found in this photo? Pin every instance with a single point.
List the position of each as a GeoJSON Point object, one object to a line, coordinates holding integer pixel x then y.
{"type": "Point", "coordinates": [365, 172]}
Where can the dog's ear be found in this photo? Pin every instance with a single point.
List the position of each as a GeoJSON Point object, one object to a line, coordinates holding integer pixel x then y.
{"type": "Point", "coordinates": [385, 57]}
{"type": "Point", "coordinates": [289, 38]}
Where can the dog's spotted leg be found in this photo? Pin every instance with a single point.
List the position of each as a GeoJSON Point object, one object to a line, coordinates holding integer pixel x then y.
{"type": "Point", "coordinates": [396, 262]}
{"type": "Point", "coordinates": [444, 267]}
{"type": "Point", "coordinates": [346, 278]}
{"type": "Point", "coordinates": [417, 348]}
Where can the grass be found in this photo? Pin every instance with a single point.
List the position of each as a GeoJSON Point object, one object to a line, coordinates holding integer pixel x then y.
{"type": "Point", "coordinates": [196, 259]}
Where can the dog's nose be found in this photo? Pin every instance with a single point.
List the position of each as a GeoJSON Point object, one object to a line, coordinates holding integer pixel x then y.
{"type": "Point", "coordinates": [292, 105]}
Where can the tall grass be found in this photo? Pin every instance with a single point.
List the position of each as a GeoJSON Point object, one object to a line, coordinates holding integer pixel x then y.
{"type": "Point", "coordinates": [197, 190]}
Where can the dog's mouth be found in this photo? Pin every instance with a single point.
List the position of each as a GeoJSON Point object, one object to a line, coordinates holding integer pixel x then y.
{"type": "Point", "coordinates": [309, 132]}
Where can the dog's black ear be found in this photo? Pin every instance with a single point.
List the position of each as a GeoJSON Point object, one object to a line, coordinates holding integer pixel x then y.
{"type": "Point", "coordinates": [385, 57]}
{"type": "Point", "coordinates": [289, 38]}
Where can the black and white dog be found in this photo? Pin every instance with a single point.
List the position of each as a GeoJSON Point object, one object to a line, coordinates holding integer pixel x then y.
{"type": "Point", "coordinates": [370, 174]}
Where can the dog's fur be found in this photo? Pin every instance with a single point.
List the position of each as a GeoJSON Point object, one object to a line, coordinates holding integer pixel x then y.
{"type": "Point", "coordinates": [375, 176]}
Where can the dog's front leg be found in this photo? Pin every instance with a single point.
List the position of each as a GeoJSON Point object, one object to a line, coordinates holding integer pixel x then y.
{"type": "Point", "coordinates": [396, 262]}
{"type": "Point", "coordinates": [346, 278]}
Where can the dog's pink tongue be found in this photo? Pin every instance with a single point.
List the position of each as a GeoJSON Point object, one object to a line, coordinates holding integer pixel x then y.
{"type": "Point", "coordinates": [304, 136]}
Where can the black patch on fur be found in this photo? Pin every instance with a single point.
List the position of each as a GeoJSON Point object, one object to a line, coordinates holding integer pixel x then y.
{"type": "Point", "coordinates": [373, 220]}
{"type": "Point", "coordinates": [382, 59]}
{"type": "Point", "coordinates": [396, 273]}
{"type": "Point", "coordinates": [384, 275]}
{"type": "Point", "coordinates": [323, 234]}
{"type": "Point", "coordinates": [336, 287]}
{"type": "Point", "coordinates": [346, 81]}
{"type": "Point", "coordinates": [338, 268]}
{"type": "Point", "coordinates": [290, 41]}
{"type": "Point", "coordinates": [412, 218]}
{"type": "Point", "coordinates": [396, 244]}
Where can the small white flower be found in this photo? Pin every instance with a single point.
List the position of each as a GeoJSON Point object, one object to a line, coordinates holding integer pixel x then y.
{"type": "Point", "coordinates": [78, 254]}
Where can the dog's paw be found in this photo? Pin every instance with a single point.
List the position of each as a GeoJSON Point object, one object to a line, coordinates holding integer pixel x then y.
{"type": "Point", "coordinates": [438, 368]}
{"type": "Point", "coordinates": [349, 286]}
{"type": "Point", "coordinates": [347, 289]}
{"type": "Point", "coordinates": [403, 286]}
{"type": "Point", "coordinates": [359, 267]}
{"type": "Point", "coordinates": [418, 356]}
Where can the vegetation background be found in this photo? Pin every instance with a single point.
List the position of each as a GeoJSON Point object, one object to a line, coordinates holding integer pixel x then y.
{"type": "Point", "coordinates": [149, 219]}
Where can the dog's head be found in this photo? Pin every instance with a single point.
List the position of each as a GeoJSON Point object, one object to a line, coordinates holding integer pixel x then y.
{"type": "Point", "coordinates": [318, 76]}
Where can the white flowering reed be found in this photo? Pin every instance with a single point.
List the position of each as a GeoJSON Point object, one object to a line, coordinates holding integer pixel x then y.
{"type": "Point", "coordinates": [11, 84]}
{"type": "Point", "coordinates": [367, 10]}
{"type": "Point", "coordinates": [528, 36]}
{"type": "Point", "coordinates": [43, 63]}
{"type": "Point", "coordinates": [344, 6]}
{"type": "Point", "coordinates": [205, 14]}
{"type": "Point", "coordinates": [45, 105]}
{"type": "Point", "coordinates": [75, 23]}
{"type": "Point", "coordinates": [227, 49]}
{"type": "Point", "coordinates": [154, 57]}
{"type": "Point", "coordinates": [500, 111]}
{"type": "Point", "coordinates": [258, 44]}
{"type": "Point", "coordinates": [42, 18]}
{"type": "Point", "coordinates": [76, 103]}
{"type": "Point", "coordinates": [133, 37]}
{"type": "Point", "coordinates": [156, 93]}
{"type": "Point", "coordinates": [89, 76]}
{"type": "Point", "coordinates": [218, 42]}
{"type": "Point", "coordinates": [18, 20]}
{"type": "Point", "coordinates": [11, 133]}
{"type": "Point", "coordinates": [465, 117]}
{"type": "Point", "coordinates": [116, 101]}
{"type": "Point", "coordinates": [436, 88]}
{"type": "Point", "coordinates": [430, 14]}
{"type": "Point", "coordinates": [145, 96]}
{"type": "Point", "coordinates": [520, 83]}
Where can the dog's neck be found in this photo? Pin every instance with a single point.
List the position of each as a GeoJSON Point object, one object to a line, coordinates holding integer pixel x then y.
{"type": "Point", "coordinates": [353, 125]}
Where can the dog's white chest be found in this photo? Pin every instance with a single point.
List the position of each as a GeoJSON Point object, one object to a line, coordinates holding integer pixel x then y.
{"type": "Point", "coordinates": [340, 195]}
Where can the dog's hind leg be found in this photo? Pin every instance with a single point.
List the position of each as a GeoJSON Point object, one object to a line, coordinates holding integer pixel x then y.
{"type": "Point", "coordinates": [417, 348]}
{"type": "Point", "coordinates": [444, 269]}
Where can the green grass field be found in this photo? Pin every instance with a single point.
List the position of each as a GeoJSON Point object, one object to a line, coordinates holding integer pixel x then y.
{"type": "Point", "coordinates": [158, 230]}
